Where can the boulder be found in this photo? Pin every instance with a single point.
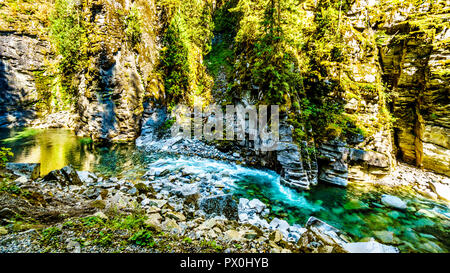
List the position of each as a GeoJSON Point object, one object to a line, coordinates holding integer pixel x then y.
{"type": "Point", "coordinates": [153, 221]}
{"type": "Point", "coordinates": [233, 235]}
{"type": "Point", "coordinates": [87, 177]}
{"type": "Point", "coordinates": [320, 237]}
{"type": "Point", "coordinates": [393, 201]}
{"type": "Point", "coordinates": [220, 205]}
{"type": "Point", "coordinates": [442, 191]}
{"type": "Point", "coordinates": [257, 205]}
{"type": "Point", "coordinates": [369, 247]}
{"type": "Point", "coordinates": [65, 176]}
{"type": "Point", "coordinates": [29, 170]}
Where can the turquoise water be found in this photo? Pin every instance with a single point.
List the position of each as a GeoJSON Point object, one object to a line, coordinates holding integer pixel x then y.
{"type": "Point", "coordinates": [357, 210]}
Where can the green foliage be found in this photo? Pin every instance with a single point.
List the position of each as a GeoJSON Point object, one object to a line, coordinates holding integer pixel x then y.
{"type": "Point", "coordinates": [5, 156]}
{"type": "Point", "coordinates": [44, 86]}
{"type": "Point", "coordinates": [220, 57]}
{"type": "Point", "coordinates": [133, 26]}
{"type": "Point", "coordinates": [266, 40]}
{"type": "Point", "coordinates": [167, 124]}
{"type": "Point", "coordinates": [130, 222]}
{"type": "Point", "coordinates": [143, 238]}
{"type": "Point", "coordinates": [92, 221]}
{"type": "Point", "coordinates": [105, 239]}
{"type": "Point", "coordinates": [186, 40]}
{"type": "Point", "coordinates": [68, 31]}
{"type": "Point", "coordinates": [10, 188]}
{"type": "Point", "coordinates": [86, 141]}
{"type": "Point", "coordinates": [175, 60]}
{"type": "Point", "coordinates": [187, 240]}
{"type": "Point", "coordinates": [49, 235]}
{"type": "Point", "coordinates": [211, 244]}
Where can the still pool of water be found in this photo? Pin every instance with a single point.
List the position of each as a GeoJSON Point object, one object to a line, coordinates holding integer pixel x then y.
{"type": "Point", "coordinates": [357, 210]}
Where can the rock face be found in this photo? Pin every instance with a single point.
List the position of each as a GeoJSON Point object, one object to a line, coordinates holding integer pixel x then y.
{"type": "Point", "coordinates": [111, 95]}
{"type": "Point", "coordinates": [298, 166]}
{"type": "Point", "coordinates": [339, 163]}
{"type": "Point", "coordinates": [415, 58]}
{"type": "Point", "coordinates": [21, 57]}
{"type": "Point", "coordinates": [153, 118]}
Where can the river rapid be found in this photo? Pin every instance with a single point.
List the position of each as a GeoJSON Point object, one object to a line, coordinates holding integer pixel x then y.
{"type": "Point", "coordinates": [423, 227]}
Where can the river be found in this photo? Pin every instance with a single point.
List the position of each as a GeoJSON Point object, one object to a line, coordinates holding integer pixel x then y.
{"type": "Point", "coordinates": [357, 210]}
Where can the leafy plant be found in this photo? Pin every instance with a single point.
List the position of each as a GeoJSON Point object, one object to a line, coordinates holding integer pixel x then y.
{"type": "Point", "coordinates": [143, 238]}
{"type": "Point", "coordinates": [5, 155]}
{"type": "Point", "coordinates": [49, 235]}
{"type": "Point", "coordinates": [68, 31]}
{"type": "Point", "coordinates": [91, 221]}
{"type": "Point", "coordinates": [105, 239]}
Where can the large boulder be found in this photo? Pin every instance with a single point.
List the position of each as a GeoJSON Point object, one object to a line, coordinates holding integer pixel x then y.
{"type": "Point", "coordinates": [393, 201]}
{"type": "Point", "coordinates": [442, 190]}
{"type": "Point", "coordinates": [29, 170]}
{"type": "Point", "coordinates": [220, 205]}
{"type": "Point", "coordinates": [320, 237]}
{"type": "Point", "coordinates": [65, 176]}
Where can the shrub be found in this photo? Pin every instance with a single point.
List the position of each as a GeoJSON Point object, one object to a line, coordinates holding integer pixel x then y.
{"type": "Point", "coordinates": [143, 238]}
{"type": "Point", "coordinates": [5, 155]}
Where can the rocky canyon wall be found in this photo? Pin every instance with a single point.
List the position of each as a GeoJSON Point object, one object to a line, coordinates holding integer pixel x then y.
{"type": "Point", "coordinates": [394, 81]}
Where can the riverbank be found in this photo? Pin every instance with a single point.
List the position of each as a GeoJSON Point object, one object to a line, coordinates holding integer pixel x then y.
{"type": "Point", "coordinates": [166, 211]}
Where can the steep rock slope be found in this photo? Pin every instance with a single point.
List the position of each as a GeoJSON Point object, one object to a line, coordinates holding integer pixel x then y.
{"type": "Point", "coordinates": [415, 57]}
{"type": "Point", "coordinates": [23, 52]}
{"type": "Point", "coordinates": [360, 83]}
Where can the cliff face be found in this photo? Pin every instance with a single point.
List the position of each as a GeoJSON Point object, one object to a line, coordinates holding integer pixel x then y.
{"type": "Point", "coordinates": [409, 57]}
{"type": "Point", "coordinates": [415, 58]}
{"type": "Point", "coordinates": [112, 76]}
{"type": "Point", "coordinates": [21, 57]}
{"type": "Point", "coordinates": [23, 51]}
{"type": "Point", "coordinates": [112, 88]}
{"type": "Point", "coordinates": [391, 68]}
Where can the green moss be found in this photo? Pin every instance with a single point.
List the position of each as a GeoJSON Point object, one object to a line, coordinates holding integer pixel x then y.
{"type": "Point", "coordinates": [86, 141]}
{"type": "Point", "coordinates": [26, 133]}
{"type": "Point", "coordinates": [133, 28]}
{"type": "Point", "coordinates": [49, 235]}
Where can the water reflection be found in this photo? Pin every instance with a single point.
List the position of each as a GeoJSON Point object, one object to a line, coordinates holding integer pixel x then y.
{"type": "Point", "coordinates": [56, 148]}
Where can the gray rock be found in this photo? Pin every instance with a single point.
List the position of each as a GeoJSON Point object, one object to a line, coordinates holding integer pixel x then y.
{"type": "Point", "coordinates": [369, 247]}
{"type": "Point", "coordinates": [393, 201]}
{"type": "Point", "coordinates": [87, 177]}
{"type": "Point", "coordinates": [257, 205]}
{"type": "Point", "coordinates": [29, 170]}
{"type": "Point", "coordinates": [279, 224]}
{"type": "Point", "coordinates": [220, 205]}
{"type": "Point", "coordinates": [65, 176]}
{"type": "Point", "coordinates": [73, 247]}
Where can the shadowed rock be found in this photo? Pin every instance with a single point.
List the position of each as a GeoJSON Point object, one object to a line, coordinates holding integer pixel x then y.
{"type": "Point", "coordinates": [65, 176]}
{"type": "Point", "coordinates": [220, 205]}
